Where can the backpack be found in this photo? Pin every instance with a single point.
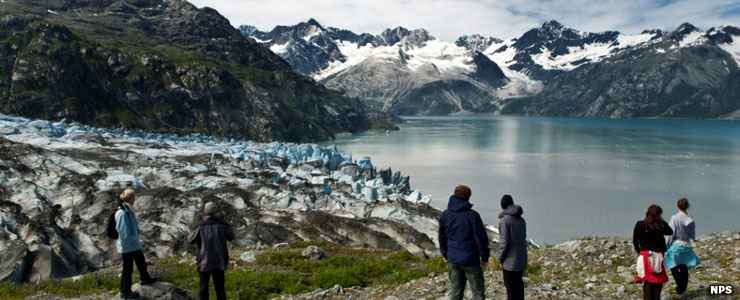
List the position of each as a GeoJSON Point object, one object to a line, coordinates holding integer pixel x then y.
{"type": "Point", "coordinates": [110, 229]}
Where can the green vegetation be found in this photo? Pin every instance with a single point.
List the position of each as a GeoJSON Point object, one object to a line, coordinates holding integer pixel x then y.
{"type": "Point", "coordinates": [534, 272]}
{"type": "Point", "coordinates": [66, 288]}
{"type": "Point", "coordinates": [274, 272]}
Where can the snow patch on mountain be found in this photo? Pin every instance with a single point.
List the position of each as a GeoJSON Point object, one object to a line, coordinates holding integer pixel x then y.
{"type": "Point", "coordinates": [733, 48]}
{"type": "Point", "coordinates": [355, 54]}
{"type": "Point", "coordinates": [279, 48]}
{"type": "Point", "coordinates": [587, 53]}
{"type": "Point", "coordinates": [693, 38]}
{"type": "Point", "coordinates": [446, 57]}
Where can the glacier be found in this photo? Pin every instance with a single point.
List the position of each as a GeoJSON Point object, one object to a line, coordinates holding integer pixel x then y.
{"type": "Point", "coordinates": [59, 182]}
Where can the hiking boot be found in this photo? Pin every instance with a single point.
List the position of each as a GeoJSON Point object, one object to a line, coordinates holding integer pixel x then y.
{"type": "Point", "coordinates": [149, 282]}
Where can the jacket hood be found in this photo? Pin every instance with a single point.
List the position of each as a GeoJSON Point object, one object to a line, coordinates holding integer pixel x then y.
{"type": "Point", "coordinates": [458, 205]}
{"type": "Point", "coordinates": [684, 218]}
{"type": "Point", "coordinates": [513, 210]}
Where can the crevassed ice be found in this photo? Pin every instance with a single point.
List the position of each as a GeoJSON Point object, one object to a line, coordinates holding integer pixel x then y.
{"type": "Point", "coordinates": [61, 135]}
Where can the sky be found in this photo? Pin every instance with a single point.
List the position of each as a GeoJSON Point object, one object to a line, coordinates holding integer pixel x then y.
{"type": "Point", "coordinates": [449, 19]}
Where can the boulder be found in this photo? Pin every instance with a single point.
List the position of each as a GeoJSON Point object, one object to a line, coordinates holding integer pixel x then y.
{"type": "Point", "coordinates": [313, 253]}
{"type": "Point", "coordinates": [14, 259]}
{"type": "Point", "coordinates": [160, 291]}
{"type": "Point", "coordinates": [248, 256]}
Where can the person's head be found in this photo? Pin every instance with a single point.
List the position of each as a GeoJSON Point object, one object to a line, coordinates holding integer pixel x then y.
{"type": "Point", "coordinates": [210, 209]}
{"type": "Point", "coordinates": [506, 201]}
{"type": "Point", "coordinates": [128, 196]}
{"type": "Point", "coordinates": [683, 204]}
{"type": "Point", "coordinates": [654, 215]}
{"type": "Point", "coordinates": [462, 192]}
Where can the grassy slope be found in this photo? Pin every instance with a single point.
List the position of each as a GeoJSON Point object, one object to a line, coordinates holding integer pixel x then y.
{"type": "Point", "coordinates": [274, 272]}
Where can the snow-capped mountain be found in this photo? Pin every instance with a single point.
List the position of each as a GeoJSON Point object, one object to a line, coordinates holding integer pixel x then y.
{"type": "Point", "coordinates": [411, 72]}
{"type": "Point", "coordinates": [404, 71]}
{"type": "Point", "coordinates": [544, 52]}
{"type": "Point", "coordinates": [477, 42]}
{"type": "Point", "coordinates": [686, 72]}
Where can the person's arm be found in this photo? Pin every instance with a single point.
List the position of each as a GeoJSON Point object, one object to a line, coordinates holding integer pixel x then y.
{"type": "Point", "coordinates": [636, 238]}
{"type": "Point", "coordinates": [194, 237]}
{"type": "Point", "coordinates": [442, 236]}
{"type": "Point", "coordinates": [666, 228]}
{"type": "Point", "coordinates": [122, 224]}
{"type": "Point", "coordinates": [692, 231]}
{"type": "Point", "coordinates": [503, 241]}
{"type": "Point", "coordinates": [673, 225]}
{"type": "Point", "coordinates": [229, 233]}
{"type": "Point", "coordinates": [481, 238]}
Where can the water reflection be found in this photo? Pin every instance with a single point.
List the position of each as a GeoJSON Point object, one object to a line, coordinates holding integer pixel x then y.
{"type": "Point", "coordinates": [574, 177]}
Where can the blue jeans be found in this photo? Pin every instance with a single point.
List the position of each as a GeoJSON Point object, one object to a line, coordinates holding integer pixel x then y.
{"type": "Point", "coordinates": [460, 275]}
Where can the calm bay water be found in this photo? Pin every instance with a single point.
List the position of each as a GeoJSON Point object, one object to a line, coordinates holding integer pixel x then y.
{"type": "Point", "coordinates": [574, 177]}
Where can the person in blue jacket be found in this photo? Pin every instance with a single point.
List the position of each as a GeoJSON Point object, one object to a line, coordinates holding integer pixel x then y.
{"type": "Point", "coordinates": [463, 242]}
{"type": "Point", "coordinates": [128, 245]}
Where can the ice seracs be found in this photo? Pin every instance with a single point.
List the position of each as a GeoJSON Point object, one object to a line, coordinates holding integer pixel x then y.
{"type": "Point", "coordinates": [60, 180]}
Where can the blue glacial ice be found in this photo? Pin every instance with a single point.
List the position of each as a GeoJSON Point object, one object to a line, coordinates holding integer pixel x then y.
{"type": "Point", "coordinates": [340, 166]}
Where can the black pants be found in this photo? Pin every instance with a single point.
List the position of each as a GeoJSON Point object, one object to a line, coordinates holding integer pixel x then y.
{"type": "Point", "coordinates": [128, 268]}
{"type": "Point", "coordinates": [681, 276]}
{"type": "Point", "coordinates": [218, 284]}
{"type": "Point", "coordinates": [651, 291]}
{"type": "Point", "coordinates": [514, 285]}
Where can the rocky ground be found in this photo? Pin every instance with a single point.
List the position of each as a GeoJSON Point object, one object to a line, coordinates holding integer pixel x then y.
{"type": "Point", "coordinates": [591, 268]}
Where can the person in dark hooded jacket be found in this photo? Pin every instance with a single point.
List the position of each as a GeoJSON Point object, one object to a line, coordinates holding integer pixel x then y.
{"type": "Point", "coordinates": [213, 255]}
{"type": "Point", "coordinates": [463, 242]}
{"type": "Point", "coordinates": [512, 247]}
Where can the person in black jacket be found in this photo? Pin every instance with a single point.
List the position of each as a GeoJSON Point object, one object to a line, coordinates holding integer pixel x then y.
{"type": "Point", "coordinates": [463, 242]}
{"type": "Point", "coordinates": [213, 255]}
{"type": "Point", "coordinates": [649, 234]}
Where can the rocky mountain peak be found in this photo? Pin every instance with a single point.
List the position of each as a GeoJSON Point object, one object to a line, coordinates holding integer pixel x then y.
{"type": "Point", "coordinates": [552, 25]}
{"type": "Point", "coordinates": [686, 28]}
{"type": "Point", "coordinates": [548, 32]}
{"type": "Point", "coordinates": [657, 33]}
{"type": "Point", "coordinates": [477, 42]}
{"type": "Point", "coordinates": [723, 34]}
{"type": "Point", "coordinates": [413, 37]}
{"type": "Point", "coordinates": [248, 30]}
{"type": "Point", "coordinates": [313, 22]}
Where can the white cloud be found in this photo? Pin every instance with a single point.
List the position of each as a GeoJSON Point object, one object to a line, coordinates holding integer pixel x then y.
{"type": "Point", "coordinates": [448, 19]}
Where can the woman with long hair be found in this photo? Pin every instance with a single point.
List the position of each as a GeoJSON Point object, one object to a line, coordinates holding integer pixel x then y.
{"type": "Point", "coordinates": [648, 239]}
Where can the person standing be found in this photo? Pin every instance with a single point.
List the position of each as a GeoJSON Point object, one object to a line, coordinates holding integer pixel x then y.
{"type": "Point", "coordinates": [463, 242]}
{"type": "Point", "coordinates": [512, 247]}
{"type": "Point", "coordinates": [213, 254]}
{"type": "Point", "coordinates": [680, 257]}
{"type": "Point", "coordinates": [648, 239]}
{"type": "Point", "coordinates": [128, 244]}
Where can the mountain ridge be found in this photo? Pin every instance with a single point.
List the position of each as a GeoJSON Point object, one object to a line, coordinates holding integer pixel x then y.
{"type": "Point", "coordinates": [534, 67]}
{"type": "Point", "coordinates": [163, 66]}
